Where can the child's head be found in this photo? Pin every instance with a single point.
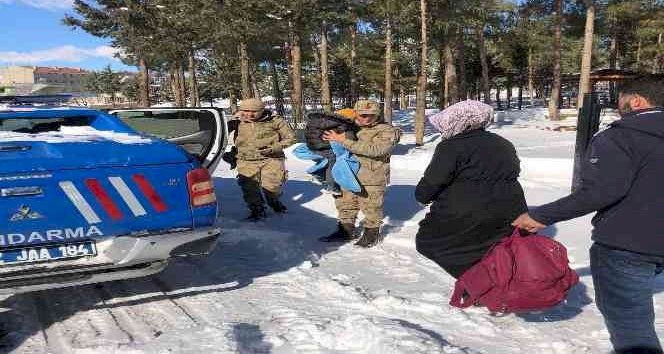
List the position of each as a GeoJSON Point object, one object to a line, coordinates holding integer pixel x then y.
{"type": "Point", "coordinates": [347, 113]}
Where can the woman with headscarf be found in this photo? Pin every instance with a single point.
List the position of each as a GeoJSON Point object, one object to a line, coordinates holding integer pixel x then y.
{"type": "Point", "coordinates": [471, 184]}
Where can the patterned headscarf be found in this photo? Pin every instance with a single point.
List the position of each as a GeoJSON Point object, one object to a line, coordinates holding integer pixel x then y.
{"type": "Point", "coordinates": [462, 117]}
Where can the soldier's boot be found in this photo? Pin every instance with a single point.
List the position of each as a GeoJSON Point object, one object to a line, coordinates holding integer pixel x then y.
{"type": "Point", "coordinates": [345, 232]}
{"type": "Point", "coordinates": [256, 213]}
{"type": "Point", "coordinates": [273, 201]}
{"type": "Point", "coordinates": [370, 237]}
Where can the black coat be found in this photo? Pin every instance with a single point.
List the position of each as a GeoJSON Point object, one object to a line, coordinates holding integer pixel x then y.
{"type": "Point", "coordinates": [472, 182]}
{"type": "Point", "coordinates": [621, 179]}
{"type": "Point", "coordinates": [319, 123]}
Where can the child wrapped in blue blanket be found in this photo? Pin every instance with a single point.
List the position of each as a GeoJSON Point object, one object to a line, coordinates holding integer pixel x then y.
{"type": "Point", "coordinates": [317, 124]}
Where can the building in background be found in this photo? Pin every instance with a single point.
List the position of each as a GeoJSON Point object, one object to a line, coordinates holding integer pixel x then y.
{"type": "Point", "coordinates": [25, 80]}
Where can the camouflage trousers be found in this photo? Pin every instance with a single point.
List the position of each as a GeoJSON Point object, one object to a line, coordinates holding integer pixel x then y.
{"type": "Point", "coordinates": [369, 201]}
{"type": "Point", "coordinates": [261, 176]}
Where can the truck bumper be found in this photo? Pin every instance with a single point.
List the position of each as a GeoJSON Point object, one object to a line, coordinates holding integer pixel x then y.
{"type": "Point", "coordinates": [117, 258]}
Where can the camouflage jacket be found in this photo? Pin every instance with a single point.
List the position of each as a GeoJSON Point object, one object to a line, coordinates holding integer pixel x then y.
{"type": "Point", "coordinates": [373, 149]}
{"type": "Point", "coordinates": [268, 131]}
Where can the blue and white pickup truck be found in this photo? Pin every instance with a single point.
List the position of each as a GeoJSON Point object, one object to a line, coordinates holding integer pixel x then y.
{"type": "Point", "coordinates": [88, 196]}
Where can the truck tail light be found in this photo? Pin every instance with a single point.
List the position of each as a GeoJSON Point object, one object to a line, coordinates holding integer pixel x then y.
{"type": "Point", "coordinates": [201, 188]}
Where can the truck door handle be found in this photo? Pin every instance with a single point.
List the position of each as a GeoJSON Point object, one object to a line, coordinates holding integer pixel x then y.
{"type": "Point", "coordinates": [20, 191]}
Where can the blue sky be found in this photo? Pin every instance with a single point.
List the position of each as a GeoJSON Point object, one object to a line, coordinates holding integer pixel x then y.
{"type": "Point", "coordinates": [33, 34]}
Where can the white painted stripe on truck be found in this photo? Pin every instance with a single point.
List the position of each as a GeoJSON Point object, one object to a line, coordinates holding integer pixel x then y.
{"type": "Point", "coordinates": [128, 196]}
{"type": "Point", "coordinates": [79, 202]}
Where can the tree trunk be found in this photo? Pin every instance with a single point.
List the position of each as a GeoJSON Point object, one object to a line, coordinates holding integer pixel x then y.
{"type": "Point", "coordinates": [183, 85]}
{"type": "Point", "coordinates": [143, 83]}
{"type": "Point", "coordinates": [387, 108]}
{"type": "Point", "coordinates": [255, 92]}
{"type": "Point", "coordinates": [498, 97]}
{"type": "Point", "coordinates": [586, 61]}
{"type": "Point", "coordinates": [233, 101]}
{"type": "Point", "coordinates": [638, 56]}
{"type": "Point", "coordinates": [296, 92]}
{"type": "Point", "coordinates": [485, 66]}
{"type": "Point", "coordinates": [422, 79]}
{"type": "Point", "coordinates": [180, 97]}
{"type": "Point", "coordinates": [401, 94]}
{"type": "Point", "coordinates": [554, 113]}
{"type": "Point", "coordinates": [175, 84]}
{"type": "Point", "coordinates": [326, 97]}
{"type": "Point", "coordinates": [276, 89]}
{"type": "Point", "coordinates": [353, 53]}
{"type": "Point", "coordinates": [520, 96]}
{"type": "Point", "coordinates": [403, 98]}
{"type": "Point", "coordinates": [402, 90]}
{"type": "Point", "coordinates": [658, 65]}
{"type": "Point", "coordinates": [531, 77]}
{"type": "Point", "coordinates": [193, 83]}
{"type": "Point", "coordinates": [451, 88]}
{"type": "Point", "coordinates": [442, 100]}
{"type": "Point", "coordinates": [461, 58]}
{"type": "Point", "coordinates": [509, 92]}
{"type": "Point", "coordinates": [244, 71]}
{"type": "Point", "coordinates": [613, 60]}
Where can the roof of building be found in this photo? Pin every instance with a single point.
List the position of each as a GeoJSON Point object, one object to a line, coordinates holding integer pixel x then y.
{"type": "Point", "coordinates": [58, 70]}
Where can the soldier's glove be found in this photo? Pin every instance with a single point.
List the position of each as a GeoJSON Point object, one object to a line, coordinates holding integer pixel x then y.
{"type": "Point", "coordinates": [270, 150]}
{"type": "Point", "coordinates": [230, 157]}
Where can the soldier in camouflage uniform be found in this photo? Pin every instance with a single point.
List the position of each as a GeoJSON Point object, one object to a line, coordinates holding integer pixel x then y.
{"type": "Point", "coordinates": [260, 138]}
{"type": "Point", "coordinates": [373, 148]}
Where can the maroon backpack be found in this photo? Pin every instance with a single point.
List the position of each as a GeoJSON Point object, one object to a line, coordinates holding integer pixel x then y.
{"type": "Point", "coordinates": [518, 274]}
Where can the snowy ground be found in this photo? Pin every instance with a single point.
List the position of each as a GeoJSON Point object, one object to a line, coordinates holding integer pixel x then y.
{"type": "Point", "coordinates": [271, 287]}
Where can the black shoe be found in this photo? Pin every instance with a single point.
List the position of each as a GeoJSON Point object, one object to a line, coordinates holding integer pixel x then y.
{"type": "Point", "coordinates": [256, 213]}
{"type": "Point", "coordinates": [370, 237]}
{"type": "Point", "coordinates": [344, 233]}
{"type": "Point", "coordinates": [277, 205]}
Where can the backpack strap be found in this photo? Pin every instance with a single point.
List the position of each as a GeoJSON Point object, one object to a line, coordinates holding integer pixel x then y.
{"type": "Point", "coordinates": [458, 299]}
{"type": "Point", "coordinates": [473, 284]}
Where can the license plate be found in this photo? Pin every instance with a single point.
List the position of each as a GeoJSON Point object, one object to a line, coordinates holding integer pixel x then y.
{"type": "Point", "coordinates": [48, 253]}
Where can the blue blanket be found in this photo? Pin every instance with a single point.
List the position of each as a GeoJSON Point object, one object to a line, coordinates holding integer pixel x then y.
{"type": "Point", "coordinates": [344, 170]}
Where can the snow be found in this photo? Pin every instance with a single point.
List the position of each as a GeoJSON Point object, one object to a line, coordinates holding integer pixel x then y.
{"type": "Point", "coordinates": [271, 287]}
{"type": "Point", "coordinates": [69, 134]}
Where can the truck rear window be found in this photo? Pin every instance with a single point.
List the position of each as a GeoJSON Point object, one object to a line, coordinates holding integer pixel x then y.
{"type": "Point", "coordinates": [42, 125]}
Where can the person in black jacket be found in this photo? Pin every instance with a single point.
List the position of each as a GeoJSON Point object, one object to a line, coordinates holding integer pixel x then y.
{"type": "Point", "coordinates": [472, 185]}
{"type": "Point", "coordinates": [621, 179]}
{"type": "Point", "coordinates": [317, 124]}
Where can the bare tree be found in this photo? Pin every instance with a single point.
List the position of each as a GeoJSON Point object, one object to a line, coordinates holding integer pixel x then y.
{"type": "Point", "coordinates": [554, 113]}
{"type": "Point", "coordinates": [353, 55]}
{"type": "Point", "coordinates": [326, 98]}
{"type": "Point", "coordinates": [483, 62]}
{"type": "Point", "coordinates": [451, 80]}
{"type": "Point", "coordinates": [586, 61]}
{"type": "Point", "coordinates": [531, 76]}
{"type": "Point", "coordinates": [143, 83]}
{"type": "Point", "coordinates": [422, 79]}
{"type": "Point", "coordinates": [296, 77]}
{"type": "Point", "coordinates": [244, 71]}
{"type": "Point", "coordinates": [193, 83]}
{"type": "Point", "coordinates": [387, 109]}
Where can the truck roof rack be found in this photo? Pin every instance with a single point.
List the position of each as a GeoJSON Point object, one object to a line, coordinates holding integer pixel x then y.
{"type": "Point", "coordinates": [35, 100]}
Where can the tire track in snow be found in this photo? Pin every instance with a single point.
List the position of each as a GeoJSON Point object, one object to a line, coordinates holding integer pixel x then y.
{"type": "Point", "coordinates": [77, 318]}
{"type": "Point", "coordinates": [23, 331]}
{"type": "Point", "coordinates": [142, 299]}
{"type": "Point", "coordinates": [129, 323]}
{"type": "Point", "coordinates": [53, 334]}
